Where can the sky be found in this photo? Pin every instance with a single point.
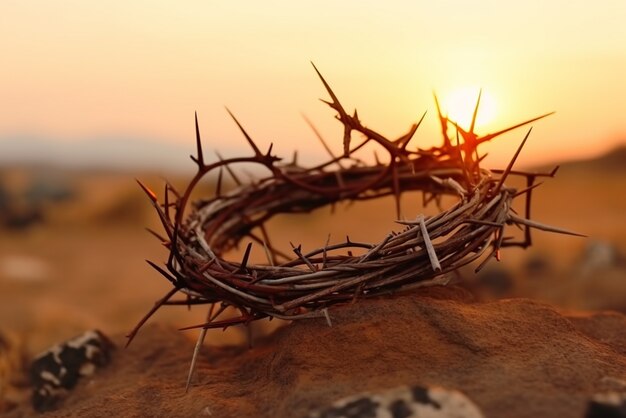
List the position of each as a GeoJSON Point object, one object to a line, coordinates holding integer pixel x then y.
{"type": "Point", "coordinates": [76, 73]}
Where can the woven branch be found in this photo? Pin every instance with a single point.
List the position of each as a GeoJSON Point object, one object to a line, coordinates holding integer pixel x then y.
{"type": "Point", "coordinates": [304, 285]}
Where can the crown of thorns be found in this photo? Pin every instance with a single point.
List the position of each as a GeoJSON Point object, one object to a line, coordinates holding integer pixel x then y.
{"type": "Point", "coordinates": [305, 284]}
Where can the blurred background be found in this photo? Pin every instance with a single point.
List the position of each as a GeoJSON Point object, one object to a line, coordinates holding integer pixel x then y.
{"type": "Point", "coordinates": [94, 95]}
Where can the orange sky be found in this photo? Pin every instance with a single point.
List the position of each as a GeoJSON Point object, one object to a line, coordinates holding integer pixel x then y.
{"type": "Point", "coordinates": [76, 70]}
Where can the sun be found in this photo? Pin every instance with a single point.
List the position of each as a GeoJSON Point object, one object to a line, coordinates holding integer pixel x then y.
{"type": "Point", "coordinates": [460, 103]}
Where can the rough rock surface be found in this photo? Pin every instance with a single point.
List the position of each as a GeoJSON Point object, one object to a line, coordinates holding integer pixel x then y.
{"type": "Point", "coordinates": [514, 358]}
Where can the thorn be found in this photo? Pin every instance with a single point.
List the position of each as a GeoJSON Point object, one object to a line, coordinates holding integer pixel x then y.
{"type": "Point", "coordinates": [298, 251]}
{"type": "Point", "coordinates": [554, 170]}
{"type": "Point", "coordinates": [256, 150]}
{"type": "Point", "coordinates": [376, 158]}
{"type": "Point", "coordinates": [166, 202]}
{"type": "Point", "coordinates": [330, 92]}
{"type": "Point", "coordinates": [246, 255]}
{"type": "Point", "coordinates": [196, 350]}
{"type": "Point", "coordinates": [511, 163]}
{"type": "Point", "coordinates": [489, 137]}
{"type": "Point", "coordinates": [269, 256]}
{"type": "Point", "coordinates": [320, 138]}
{"type": "Point", "coordinates": [484, 262]}
{"type": "Point", "coordinates": [468, 179]}
{"type": "Point", "coordinates": [194, 358]}
{"type": "Point", "coordinates": [480, 92]}
{"type": "Point", "coordinates": [443, 120]}
{"type": "Point", "coordinates": [163, 272]}
{"type": "Point", "coordinates": [173, 190]}
{"type": "Point", "coordinates": [200, 159]}
{"type": "Point", "coordinates": [220, 176]}
{"type": "Point", "coordinates": [325, 252]}
{"type": "Point", "coordinates": [343, 116]}
{"type": "Point", "coordinates": [327, 316]}
{"type": "Point", "coordinates": [527, 189]}
{"type": "Point", "coordinates": [406, 139]}
{"type": "Point", "coordinates": [131, 335]}
{"type": "Point", "coordinates": [396, 188]}
{"type": "Point", "coordinates": [156, 234]}
{"type": "Point", "coordinates": [543, 227]}
{"type": "Point", "coordinates": [229, 170]}
{"type": "Point", "coordinates": [150, 193]}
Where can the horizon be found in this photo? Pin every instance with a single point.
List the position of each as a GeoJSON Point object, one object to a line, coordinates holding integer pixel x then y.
{"type": "Point", "coordinates": [140, 70]}
{"type": "Point", "coordinates": [118, 155]}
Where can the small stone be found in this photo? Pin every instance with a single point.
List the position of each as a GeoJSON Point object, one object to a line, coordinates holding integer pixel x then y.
{"type": "Point", "coordinates": [607, 405]}
{"type": "Point", "coordinates": [57, 370]}
{"type": "Point", "coordinates": [403, 402]}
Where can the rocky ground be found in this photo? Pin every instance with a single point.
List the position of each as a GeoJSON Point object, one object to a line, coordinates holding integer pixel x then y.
{"type": "Point", "coordinates": [79, 265]}
{"type": "Point", "coordinates": [514, 358]}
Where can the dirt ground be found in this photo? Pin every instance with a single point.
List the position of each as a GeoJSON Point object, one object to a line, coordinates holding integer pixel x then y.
{"type": "Point", "coordinates": [82, 265]}
{"type": "Point", "coordinates": [515, 358]}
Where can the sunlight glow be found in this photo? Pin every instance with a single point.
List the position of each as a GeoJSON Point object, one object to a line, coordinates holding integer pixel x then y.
{"type": "Point", "coordinates": [460, 105]}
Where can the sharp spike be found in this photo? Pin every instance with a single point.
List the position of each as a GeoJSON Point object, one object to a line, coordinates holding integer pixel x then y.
{"type": "Point", "coordinates": [396, 188]}
{"type": "Point", "coordinates": [468, 179]}
{"type": "Point", "coordinates": [376, 158]}
{"type": "Point", "coordinates": [256, 150]}
{"type": "Point", "coordinates": [489, 137]}
{"type": "Point", "coordinates": [554, 170]}
{"type": "Point", "coordinates": [298, 251]}
{"type": "Point", "coordinates": [319, 137]}
{"type": "Point", "coordinates": [150, 193]}
{"type": "Point", "coordinates": [325, 252]}
{"type": "Point", "coordinates": [543, 227]}
{"type": "Point", "coordinates": [406, 139]}
{"type": "Point", "coordinates": [173, 190]}
{"type": "Point", "coordinates": [194, 357]}
{"type": "Point", "coordinates": [343, 116]}
{"type": "Point", "coordinates": [335, 104]}
{"type": "Point", "coordinates": [229, 170]}
{"type": "Point", "coordinates": [162, 271]}
{"type": "Point", "coordinates": [199, 342]}
{"type": "Point", "coordinates": [131, 335]}
{"type": "Point", "coordinates": [220, 177]}
{"type": "Point", "coordinates": [156, 234]}
{"type": "Point", "coordinates": [527, 189]}
{"type": "Point", "coordinates": [166, 202]}
{"type": "Point", "coordinates": [443, 120]}
{"type": "Point", "coordinates": [246, 256]}
{"type": "Point", "coordinates": [480, 92]}
{"type": "Point", "coordinates": [200, 158]}
{"type": "Point", "coordinates": [511, 163]}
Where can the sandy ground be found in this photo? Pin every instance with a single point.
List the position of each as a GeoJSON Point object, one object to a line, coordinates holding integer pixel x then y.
{"type": "Point", "coordinates": [514, 358]}
{"type": "Point", "coordinates": [84, 268]}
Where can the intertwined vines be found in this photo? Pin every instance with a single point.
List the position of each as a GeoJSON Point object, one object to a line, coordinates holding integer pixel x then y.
{"type": "Point", "coordinates": [305, 284]}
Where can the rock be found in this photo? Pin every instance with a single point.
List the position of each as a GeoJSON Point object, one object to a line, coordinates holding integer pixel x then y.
{"type": "Point", "coordinates": [495, 280]}
{"type": "Point", "coordinates": [598, 256]}
{"type": "Point", "coordinates": [537, 265]}
{"type": "Point", "coordinates": [607, 405]}
{"type": "Point", "coordinates": [403, 402]}
{"type": "Point", "coordinates": [57, 370]}
{"type": "Point", "coordinates": [515, 358]}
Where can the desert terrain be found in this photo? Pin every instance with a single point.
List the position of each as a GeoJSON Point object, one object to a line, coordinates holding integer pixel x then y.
{"type": "Point", "coordinates": [75, 261]}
